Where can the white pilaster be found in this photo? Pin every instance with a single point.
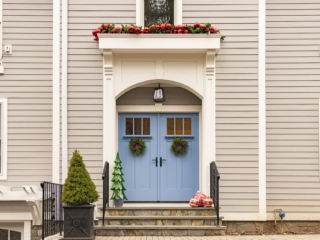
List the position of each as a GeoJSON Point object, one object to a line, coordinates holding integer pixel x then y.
{"type": "Point", "coordinates": [64, 92]}
{"type": "Point", "coordinates": [26, 230]}
{"type": "Point", "coordinates": [262, 111]}
{"type": "Point", "coordinates": [56, 93]}
{"type": "Point", "coordinates": [109, 110]}
{"type": "Point", "coordinates": [208, 122]}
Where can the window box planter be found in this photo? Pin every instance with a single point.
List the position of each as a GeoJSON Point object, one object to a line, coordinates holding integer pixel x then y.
{"type": "Point", "coordinates": [172, 42]}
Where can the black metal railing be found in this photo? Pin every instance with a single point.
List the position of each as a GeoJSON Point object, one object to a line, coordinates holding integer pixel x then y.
{"type": "Point", "coordinates": [105, 178]}
{"type": "Point", "coordinates": [214, 188]}
{"type": "Point", "coordinates": [52, 211]}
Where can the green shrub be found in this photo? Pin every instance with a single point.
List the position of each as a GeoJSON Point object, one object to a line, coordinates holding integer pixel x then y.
{"type": "Point", "coordinates": [78, 189]}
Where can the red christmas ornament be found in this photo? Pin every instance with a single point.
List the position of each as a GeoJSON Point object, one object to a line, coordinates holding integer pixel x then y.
{"type": "Point", "coordinates": [207, 202]}
{"type": "Point", "coordinates": [194, 202]}
{"type": "Point", "coordinates": [200, 196]}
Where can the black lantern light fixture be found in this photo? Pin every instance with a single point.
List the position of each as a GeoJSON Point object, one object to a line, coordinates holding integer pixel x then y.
{"type": "Point", "coordinates": [158, 96]}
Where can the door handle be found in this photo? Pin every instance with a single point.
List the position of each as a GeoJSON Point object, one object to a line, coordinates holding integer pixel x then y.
{"type": "Point", "coordinates": [161, 161]}
{"type": "Point", "coordinates": [156, 161]}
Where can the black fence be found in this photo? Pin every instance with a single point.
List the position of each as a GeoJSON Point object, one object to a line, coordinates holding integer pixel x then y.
{"type": "Point", "coordinates": [214, 188]}
{"type": "Point", "coordinates": [105, 178]}
{"type": "Point", "coordinates": [52, 211]}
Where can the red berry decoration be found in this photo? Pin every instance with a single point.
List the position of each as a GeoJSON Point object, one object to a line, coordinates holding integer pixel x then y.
{"type": "Point", "coordinates": [137, 146]}
{"type": "Point", "coordinates": [163, 28]}
{"type": "Point", "coordinates": [179, 146]}
{"type": "Point", "coordinates": [168, 26]}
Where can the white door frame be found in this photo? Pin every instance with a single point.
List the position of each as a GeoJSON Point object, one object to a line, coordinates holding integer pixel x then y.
{"type": "Point", "coordinates": [206, 110]}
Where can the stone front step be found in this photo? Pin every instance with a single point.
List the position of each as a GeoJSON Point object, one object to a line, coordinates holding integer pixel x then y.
{"type": "Point", "coordinates": [159, 211]}
{"type": "Point", "coordinates": [160, 220]}
{"type": "Point", "coordinates": [147, 230]}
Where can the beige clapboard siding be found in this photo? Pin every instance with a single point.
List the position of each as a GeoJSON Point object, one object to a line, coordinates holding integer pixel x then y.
{"type": "Point", "coordinates": [237, 97]}
{"type": "Point", "coordinates": [292, 88]}
{"type": "Point", "coordinates": [85, 67]}
{"type": "Point", "coordinates": [27, 83]}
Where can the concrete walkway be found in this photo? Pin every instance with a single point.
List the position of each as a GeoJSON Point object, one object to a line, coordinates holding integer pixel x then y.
{"type": "Point", "coordinates": [242, 237]}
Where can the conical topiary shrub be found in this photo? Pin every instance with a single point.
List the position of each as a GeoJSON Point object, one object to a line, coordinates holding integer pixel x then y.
{"type": "Point", "coordinates": [78, 189]}
{"type": "Point", "coordinates": [117, 187]}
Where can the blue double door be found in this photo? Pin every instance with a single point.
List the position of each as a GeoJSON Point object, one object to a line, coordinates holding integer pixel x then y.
{"type": "Point", "coordinates": [158, 175]}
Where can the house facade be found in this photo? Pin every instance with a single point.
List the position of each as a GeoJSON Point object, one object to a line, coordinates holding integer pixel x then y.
{"type": "Point", "coordinates": [249, 102]}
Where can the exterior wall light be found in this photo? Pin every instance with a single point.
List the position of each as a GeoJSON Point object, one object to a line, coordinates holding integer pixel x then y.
{"type": "Point", "coordinates": [159, 95]}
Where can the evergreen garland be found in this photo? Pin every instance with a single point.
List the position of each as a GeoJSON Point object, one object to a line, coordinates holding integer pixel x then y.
{"type": "Point", "coordinates": [78, 189]}
{"type": "Point", "coordinates": [117, 187]}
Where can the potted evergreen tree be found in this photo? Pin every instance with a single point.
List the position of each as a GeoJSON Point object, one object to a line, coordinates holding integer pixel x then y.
{"type": "Point", "coordinates": [78, 192]}
{"type": "Point", "coordinates": [118, 189]}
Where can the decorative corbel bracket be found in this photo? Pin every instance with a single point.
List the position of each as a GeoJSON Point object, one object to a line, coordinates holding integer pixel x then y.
{"type": "Point", "coordinates": [108, 64]}
{"type": "Point", "coordinates": [210, 64]}
{"type": "Point", "coordinates": [35, 207]}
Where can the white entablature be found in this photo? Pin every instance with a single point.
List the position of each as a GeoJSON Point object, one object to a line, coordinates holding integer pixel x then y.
{"type": "Point", "coordinates": [186, 61]}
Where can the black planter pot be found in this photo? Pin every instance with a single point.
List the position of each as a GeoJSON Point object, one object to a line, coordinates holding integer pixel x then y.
{"type": "Point", "coordinates": [78, 222]}
{"type": "Point", "coordinates": [118, 202]}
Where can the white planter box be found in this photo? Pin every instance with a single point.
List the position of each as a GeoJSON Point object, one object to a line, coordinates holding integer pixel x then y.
{"type": "Point", "coordinates": [159, 41]}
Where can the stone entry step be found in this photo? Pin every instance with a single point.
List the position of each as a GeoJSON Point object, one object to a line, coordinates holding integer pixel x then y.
{"type": "Point", "coordinates": [147, 230]}
{"type": "Point", "coordinates": [160, 221]}
{"type": "Point", "coordinates": [159, 211]}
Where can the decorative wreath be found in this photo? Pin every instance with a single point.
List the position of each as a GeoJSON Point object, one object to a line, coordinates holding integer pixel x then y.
{"type": "Point", "coordinates": [137, 146]}
{"type": "Point", "coordinates": [179, 146]}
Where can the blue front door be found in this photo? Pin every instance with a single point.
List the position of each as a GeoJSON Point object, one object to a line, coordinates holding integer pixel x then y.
{"type": "Point", "coordinates": [157, 174]}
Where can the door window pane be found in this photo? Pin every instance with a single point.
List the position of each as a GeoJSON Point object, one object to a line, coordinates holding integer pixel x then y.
{"type": "Point", "coordinates": [170, 126]}
{"type": "Point", "coordinates": [179, 126]}
{"type": "Point", "coordinates": [146, 126]}
{"type": "Point", "coordinates": [187, 126]}
{"type": "Point", "coordinates": [137, 126]}
{"type": "Point", "coordinates": [129, 126]}
{"type": "Point", "coordinates": [158, 11]}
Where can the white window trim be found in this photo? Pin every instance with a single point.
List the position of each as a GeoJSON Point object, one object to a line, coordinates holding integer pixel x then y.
{"type": "Point", "coordinates": [140, 12]}
{"type": "Point", "coordinates": [4, 136]}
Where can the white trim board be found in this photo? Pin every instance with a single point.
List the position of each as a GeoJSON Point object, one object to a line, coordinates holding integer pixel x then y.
{"type": "Point", "coordinates": [4, 138]}
{"type": "Point", "coordinates": [159, 108]}
{"type": "Point", "coordinates": [262, 110]}
{"type": "Point", "coordinates": [64, 92]}
{"type": "Point", "coordinates": [56, 94]}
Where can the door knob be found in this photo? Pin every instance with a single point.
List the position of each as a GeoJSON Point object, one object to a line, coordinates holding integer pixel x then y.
{"type": "Point", "coordinates": [156, 161]}
{"type": "Point", "coordinates": [161, 161]}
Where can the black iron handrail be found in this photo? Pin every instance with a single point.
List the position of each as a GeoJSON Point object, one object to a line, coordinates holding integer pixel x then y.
{"type": "Point", "coordinates": [52, 211]}
{"type": "Point", "coordinates": [105, 178]}
{"type": "Point", "coordinates": [214, 188]}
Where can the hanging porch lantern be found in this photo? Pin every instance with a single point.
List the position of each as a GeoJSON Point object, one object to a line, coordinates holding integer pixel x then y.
{"type": "Point", "coordinates": [158, 95]}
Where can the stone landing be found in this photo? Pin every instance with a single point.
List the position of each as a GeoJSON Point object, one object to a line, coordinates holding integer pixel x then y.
{"type": "Point", "coordinates": [160, 221]}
